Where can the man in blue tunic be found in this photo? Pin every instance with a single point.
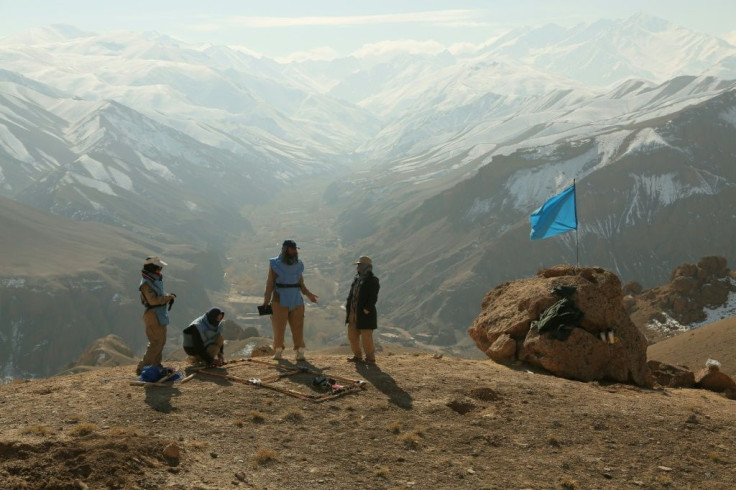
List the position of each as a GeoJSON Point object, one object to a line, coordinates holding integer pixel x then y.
{"type": "Point", "coordinates": [203, 338]}
{"type": "Point", "coordinates": [284, 289]}
{"type": "Point", "coordinates": [156, 314]}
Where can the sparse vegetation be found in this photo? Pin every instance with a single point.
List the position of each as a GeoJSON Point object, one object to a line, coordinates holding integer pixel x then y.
{"type": "Point", "coordinates": [84, 429]}
{"type": "Point", "coordinates": [38, 430]}
{"type": "Point", "coordinates": [568, 483]}
{"type": "Point", "coordinates": [553, 441]}
{"type": "Point", "coordinates": [715, 456]}
{"type": "Point", "coordinates": [382, 472]}
{"type": "Point", "coordinates": [256, 417]}
{"type": "Point", "coordinates": [394, 427]}
{"type": "Point", "coordinates": [123, 431]}
{"type": "Point", "coordinates": [664, 480]}
{"type": "Point", "coordinates": [295, 416]}
{"type": "Point", "coordinates": [264, 456]}
{"type": "Point", "coordinates": [410, 439]}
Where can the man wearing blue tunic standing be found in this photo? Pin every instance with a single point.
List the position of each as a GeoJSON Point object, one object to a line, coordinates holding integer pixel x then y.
{"type": "Point", "coordinates": [284, 289]}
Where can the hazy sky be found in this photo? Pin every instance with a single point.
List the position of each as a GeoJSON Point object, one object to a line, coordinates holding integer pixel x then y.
{"type": "Point", "coordinates": [280, 28]}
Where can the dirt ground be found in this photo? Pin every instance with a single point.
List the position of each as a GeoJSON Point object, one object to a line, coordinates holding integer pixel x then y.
{"type": "Point", "coordinates": [423, 421]}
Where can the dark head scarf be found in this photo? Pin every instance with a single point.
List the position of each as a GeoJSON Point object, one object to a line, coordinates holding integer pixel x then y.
{"type": "Point", "coordinates": [213, 314]}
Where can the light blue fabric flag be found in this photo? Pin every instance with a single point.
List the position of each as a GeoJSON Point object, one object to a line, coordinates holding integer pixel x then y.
{"type": "Point", "coordinates": [557, 215]}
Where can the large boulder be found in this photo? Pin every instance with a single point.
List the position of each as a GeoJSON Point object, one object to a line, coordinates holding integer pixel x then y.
{"type": "Point", "coordinates": [711, 378]}
{"type": "Point", "coordinates": [507, 313]}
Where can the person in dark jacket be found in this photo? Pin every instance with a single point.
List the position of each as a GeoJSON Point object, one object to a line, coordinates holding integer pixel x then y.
{"type": "Point", "coordinates": [361, 316]}
{"type": "Point", "coordinates": [156, 314]}
{"type": "Point", "coordinates": [203, 338]}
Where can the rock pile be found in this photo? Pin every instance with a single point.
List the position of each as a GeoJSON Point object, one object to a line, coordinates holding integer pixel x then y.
{"type": "Point", "coordinates": [503, 330]}
{"type": "Point", "coordinates": [691, 288]}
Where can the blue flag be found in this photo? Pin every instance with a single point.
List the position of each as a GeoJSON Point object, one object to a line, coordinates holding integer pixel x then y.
{"type": "Point", "coordinates": [557, 215]}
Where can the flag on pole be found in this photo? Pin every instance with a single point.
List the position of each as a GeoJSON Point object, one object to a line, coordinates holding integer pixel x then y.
{"type": "Point", "coordinates": [557, 215]}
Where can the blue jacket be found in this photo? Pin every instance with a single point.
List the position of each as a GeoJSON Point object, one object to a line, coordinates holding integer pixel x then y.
{"type": "Point", "coordinates": [288, 278]}
{"type": "Point", "coordinates": [162, 311]}
{"type": "Point", "coordinates": [206, 330]}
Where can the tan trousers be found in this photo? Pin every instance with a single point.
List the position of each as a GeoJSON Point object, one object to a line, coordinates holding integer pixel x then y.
{"type": "Point", "coordinates": [281, 315]}
{"type": "Point", "coordinates": [357, 336]}
{"type": "Point", "coordinates": [213, 350]}
{"type": "Point", "coordinates": [156, 334]}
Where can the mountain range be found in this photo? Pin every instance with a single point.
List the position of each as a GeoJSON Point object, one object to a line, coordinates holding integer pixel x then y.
{"type": "Point", "coordinates": [431, 163]}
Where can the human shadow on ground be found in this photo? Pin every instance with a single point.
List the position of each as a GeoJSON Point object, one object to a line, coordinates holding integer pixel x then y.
{"type": "Point", "coordinates": [386, 384]}
{"type": "Point", "coordinates": [159, 397]}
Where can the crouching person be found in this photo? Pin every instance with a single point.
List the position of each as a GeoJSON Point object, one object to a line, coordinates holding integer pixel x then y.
{"type": "Point", "coordinates": [203, 338]}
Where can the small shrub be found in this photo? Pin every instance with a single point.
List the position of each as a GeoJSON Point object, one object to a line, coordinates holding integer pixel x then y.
{"type": "Point", "coordinates": [257, 417]}
{"type": "Point", "coordinates": [264, 456]}
{"type": "Point", "coordinates": [664, 480]}
{"type": "Point", "coordinates": [38, 430]}
{"type": "Point", "coordinates": [294, 416]}
{"type": "Point", "coordinates": [410, 440]}
{"type": "Point", "coordinates": [420, 430]}
{"type": "Point", "coordinates": [199, 445]}
{"type": "Point", "coordinates": [84, 429]}
{"type": "Point", "coordinates": [238, 423]}
{"type": "Point", "coordinates": [123, 431]}
{"type": "Point", "coordinates": [394, 427]}
{"type": "Point", "coordinates": [382, 472]}
{"type": "Point", "coordinates": [568, 483]}
{"type": "Point", "coordinates": [714, 456]}
{"type": "Point", "coordinates": [553, 441]}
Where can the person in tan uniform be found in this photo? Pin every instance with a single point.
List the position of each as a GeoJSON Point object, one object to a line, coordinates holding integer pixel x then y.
{"type": "Point", "coordinates": [156, 314]}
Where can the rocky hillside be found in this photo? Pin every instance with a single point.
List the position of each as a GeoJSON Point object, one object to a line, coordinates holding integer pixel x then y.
{"type": "Point", "coordinates": [696, 294]}
{"type": "Point", "coordinates": [694, 348]}
{"type": "Point", "coordinates": [423, 421]}
{"type": "Point", "coordinates": [65, 284]}
{"type": "Point", "coordinates": [651, 194]}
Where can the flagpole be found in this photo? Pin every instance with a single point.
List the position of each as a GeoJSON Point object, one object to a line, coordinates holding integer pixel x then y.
{"type": "Point", "coordinates": [577, 247]}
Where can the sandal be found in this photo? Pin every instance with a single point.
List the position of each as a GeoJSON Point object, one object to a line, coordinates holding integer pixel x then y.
{"type": "Point", "coordinates": [355, 359]}
{"type": "Point", "coordinates": [370, 361]}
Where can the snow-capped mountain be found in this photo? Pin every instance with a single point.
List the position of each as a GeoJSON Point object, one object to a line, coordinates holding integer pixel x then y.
{"type": "Point", "coordinates": [219, 96]}
{"type": "Point", "coordinates": [651, 193]}
{"type": "Point", "coordinates": [102, 161]}
{"type": "Point", "coordinates": [449, 152]}
{"type": "Point", "coordinates": [610, 51]}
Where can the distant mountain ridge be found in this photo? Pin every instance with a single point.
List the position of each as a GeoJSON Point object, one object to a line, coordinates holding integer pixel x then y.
{"type": "Point", "coordinates": [435, 160]}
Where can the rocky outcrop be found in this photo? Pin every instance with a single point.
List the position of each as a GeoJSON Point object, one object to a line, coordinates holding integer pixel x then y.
{"type": "Point", "coordinates": [105, 352]}
{"type": "Point", "coordinates": [233, 331]}
{"type": "Point", "coordinates": [691, 288]}
{"type": "Point", "coordinates": [504, 330]}
{"type": "Point", "coordinates": [671, 376]}
{"type": "Point", "coordinates": [711, 378]}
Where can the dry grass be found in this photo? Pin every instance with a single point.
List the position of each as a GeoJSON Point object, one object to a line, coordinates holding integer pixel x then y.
{"type": "Point", "coordinates": [256, 417]}
{"type": "Point", "coordinates": [411, 440]}
{"type": "Point", "coordinates": [38, 430]}
{"type": "Point", "coordinates": [238, 423]}
{"type": "Point", "coordinates": [568, 483]}
{"type": "Point", "coordinates": [664, 480]}
{"type": "Point", "coordinates": [382, 472]}
{"type": "Point", "coordinates": [264, 456]}
{"type": "Point", "coordinates": [394, 427]}
{"type": "Point", "coordinates": [199, 445]}
{"type": "Point", "coordinates": [295, 416]}
{"type": "Point", "coordinates": [553, 441]}
{"type": "Point", "coordinates": [123, 431]}
{"type": "Point", "coordinates": [84, 429]}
